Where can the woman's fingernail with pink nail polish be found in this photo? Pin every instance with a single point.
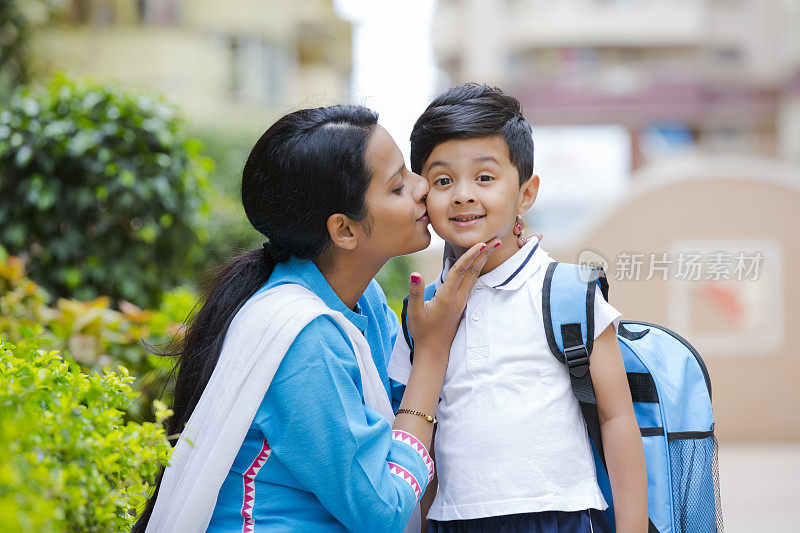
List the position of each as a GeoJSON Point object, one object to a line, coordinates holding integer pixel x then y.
{"type": "Point", "coordinates": [498, 244]}
{"type": "Point", "coordinates": [482, 248]}
{"type": "Point", "coordinates": [415, 279]}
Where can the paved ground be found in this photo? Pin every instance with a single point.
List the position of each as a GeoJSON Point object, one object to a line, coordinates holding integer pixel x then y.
{"type": "Point", "coordinates": [760, 487]}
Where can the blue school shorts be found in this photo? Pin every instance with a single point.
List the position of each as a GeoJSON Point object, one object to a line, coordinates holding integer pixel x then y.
{"type": "Point", "coordinates": [587, 521]}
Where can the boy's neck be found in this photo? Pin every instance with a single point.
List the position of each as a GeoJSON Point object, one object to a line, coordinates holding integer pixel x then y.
{"type": "Point", "coordinates": [497, 257]}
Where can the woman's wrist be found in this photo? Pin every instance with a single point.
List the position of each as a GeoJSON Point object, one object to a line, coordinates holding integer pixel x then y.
{"type": "Point", "coordinates": [436, 348]}
{"type": "Point", "coordinates": [424, 384]}
{"type": "Point", "coordinates": [430, 365]}
{"type": "Point", "coordinates": [422, 394]}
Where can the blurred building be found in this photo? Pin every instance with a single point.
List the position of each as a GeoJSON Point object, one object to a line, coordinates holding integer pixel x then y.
{"type": "Point", "coordinates": [719, 75]}
{"type": "Point", "coordinates": [225, 63]}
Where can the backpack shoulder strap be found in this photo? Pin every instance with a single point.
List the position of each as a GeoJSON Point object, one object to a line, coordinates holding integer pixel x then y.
{"type": "Point", "coordinates": [430, 290]}
{"type": "Point", "coordinates": [568, 312]}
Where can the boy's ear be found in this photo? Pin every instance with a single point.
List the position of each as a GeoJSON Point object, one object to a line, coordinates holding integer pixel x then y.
{"type": "Point", "coordinates": [344, 231]}
{"type": "Point", "coordinates": [527, 194]}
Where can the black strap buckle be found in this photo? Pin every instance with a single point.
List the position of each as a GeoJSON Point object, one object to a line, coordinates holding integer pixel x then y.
{"type": "Point", "coordinates": [577, 360]}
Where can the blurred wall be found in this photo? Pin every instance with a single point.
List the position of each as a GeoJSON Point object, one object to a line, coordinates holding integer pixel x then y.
{"type": "Point", "coordinates": [708, 248]}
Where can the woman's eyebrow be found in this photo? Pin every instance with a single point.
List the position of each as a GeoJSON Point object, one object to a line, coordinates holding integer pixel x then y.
{"type": "Point", "coordinates": [398, 171]}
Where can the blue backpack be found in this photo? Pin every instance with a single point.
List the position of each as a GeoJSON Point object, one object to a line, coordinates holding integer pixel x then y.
{"type": "Point", "coordinates": [671, 393]}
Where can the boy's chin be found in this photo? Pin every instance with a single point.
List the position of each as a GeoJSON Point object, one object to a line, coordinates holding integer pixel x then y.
{"type": "Point", "coordinates": [461, 245]}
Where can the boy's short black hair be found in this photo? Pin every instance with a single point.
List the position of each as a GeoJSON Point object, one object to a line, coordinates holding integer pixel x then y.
{"type": "Point", "coordinates": [468, 111]}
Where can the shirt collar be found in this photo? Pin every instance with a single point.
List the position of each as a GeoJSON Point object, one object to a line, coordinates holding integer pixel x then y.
{"type": "Point", "coordinates": [512, 273]}
{"type": "Point", "coordinates": [306, 273]}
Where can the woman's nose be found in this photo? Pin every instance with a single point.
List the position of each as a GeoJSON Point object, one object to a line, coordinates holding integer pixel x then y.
{"type": "Point", "coordinates": [419, 187]}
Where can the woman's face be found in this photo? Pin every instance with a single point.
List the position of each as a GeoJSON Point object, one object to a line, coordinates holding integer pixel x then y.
{"type": "Point", "coordinates": [398, 218]}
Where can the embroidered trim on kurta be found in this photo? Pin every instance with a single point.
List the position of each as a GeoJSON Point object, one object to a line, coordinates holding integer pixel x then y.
{"type": "Point", "coordinates": [249, 481]}
{"type": "Point", "coordinates": [411, 440]}
{"type": "Point", "coordinates": [406, 476]}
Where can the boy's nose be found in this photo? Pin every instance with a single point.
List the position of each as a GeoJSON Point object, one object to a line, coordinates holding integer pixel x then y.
{"type": "Point", "coordinates": [463, 195]}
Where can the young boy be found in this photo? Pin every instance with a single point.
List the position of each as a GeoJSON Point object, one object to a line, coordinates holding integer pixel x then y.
{"type": "Point", "coordinates": [511, 447]}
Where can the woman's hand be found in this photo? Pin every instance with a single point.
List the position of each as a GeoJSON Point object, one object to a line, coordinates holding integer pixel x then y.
{"type": "Point", "coordinates": [519, 230]}
{"type": "Point", "coordinates": [434, 323]}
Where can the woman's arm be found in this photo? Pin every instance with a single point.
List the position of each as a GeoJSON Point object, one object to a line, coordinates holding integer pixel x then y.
{"type": "Point", "coordinates": [622, 443]}
{"type": "Point", "coordinates": [314, 420]}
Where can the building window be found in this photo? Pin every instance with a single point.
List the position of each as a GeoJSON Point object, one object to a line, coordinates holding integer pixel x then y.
{"type": "Point", "coordinates": [258, 69]}
{"type": "Point", "coordinates": [158, 12]}
{"type": "Point", "coordinates": [728, 55]}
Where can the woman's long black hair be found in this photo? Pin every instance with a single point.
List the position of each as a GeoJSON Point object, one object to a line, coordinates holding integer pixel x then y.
{"type": "Point", "coordinates": [307, 166]}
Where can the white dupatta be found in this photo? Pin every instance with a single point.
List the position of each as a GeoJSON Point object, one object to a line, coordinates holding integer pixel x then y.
{"type": "Point", "coordinates": [257, 339]}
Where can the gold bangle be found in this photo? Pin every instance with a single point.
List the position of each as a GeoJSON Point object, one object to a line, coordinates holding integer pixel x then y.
{"type": "Point", "coordinates": [429, 418]}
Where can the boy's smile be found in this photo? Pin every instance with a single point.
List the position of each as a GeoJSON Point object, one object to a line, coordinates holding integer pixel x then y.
{"type": "Point", "coordinates": [475, 193]}
{"type": "Point", "coordinates": [466, 220]}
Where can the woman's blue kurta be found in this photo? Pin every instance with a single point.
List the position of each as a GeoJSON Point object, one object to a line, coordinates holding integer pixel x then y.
{"type": "Point", "coordinates": [315, 457]}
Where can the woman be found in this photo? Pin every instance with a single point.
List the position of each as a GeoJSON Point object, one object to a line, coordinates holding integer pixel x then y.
{"type": "Point", "coordinates": [315, 450]}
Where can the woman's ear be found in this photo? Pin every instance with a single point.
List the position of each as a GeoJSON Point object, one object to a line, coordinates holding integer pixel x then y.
{"type": "Point", "coordinates": [527, 194]}
{"type": "Point", "coordinates": [344, 231]}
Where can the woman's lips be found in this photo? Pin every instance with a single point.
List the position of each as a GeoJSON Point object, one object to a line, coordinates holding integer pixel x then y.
{"type": "Point", "coordinates": [463, 221]}
{"type": "Point", "coordinates": [424, 218]}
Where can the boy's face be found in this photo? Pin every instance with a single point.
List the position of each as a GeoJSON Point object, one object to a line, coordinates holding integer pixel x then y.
{"type": "Point", "coordinates": [475, 193]}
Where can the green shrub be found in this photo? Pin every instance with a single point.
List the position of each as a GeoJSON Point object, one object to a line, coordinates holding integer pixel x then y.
{"type": "Point", "coordinates": [229, 149]}
{"type": "Point", "coordinates": [67, 460]}
{"type": "Point", "coordinates": [394, 280]}
{"type": "Point", "coordinates": [100, 192]}
{"type": "Point", "coordinates": [95, 335]}
{"type": "Point", "coordinates": [229, 232]}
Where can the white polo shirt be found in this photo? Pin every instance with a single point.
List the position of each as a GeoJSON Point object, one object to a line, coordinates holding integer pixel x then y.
{"type": "Point", "coordinates": [511, 437]}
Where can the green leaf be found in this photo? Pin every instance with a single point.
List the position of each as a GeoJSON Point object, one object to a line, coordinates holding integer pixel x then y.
{"type": "Point", "coordinates": [24, 155]}
{"type": "Point", "coordinates": [127, 178]}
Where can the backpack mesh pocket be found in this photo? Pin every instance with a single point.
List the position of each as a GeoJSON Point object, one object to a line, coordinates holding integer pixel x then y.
{"type": "Point", "coordinates": [695, 483]}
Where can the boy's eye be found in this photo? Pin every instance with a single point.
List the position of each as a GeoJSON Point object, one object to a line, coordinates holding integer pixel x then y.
{"type": "Point", "coordinates": [485, 177]}
{"type": "Point", "coordinates": [441, 182]}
